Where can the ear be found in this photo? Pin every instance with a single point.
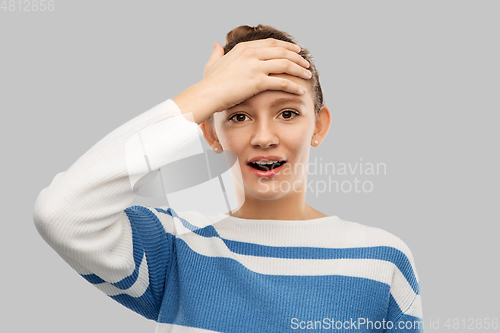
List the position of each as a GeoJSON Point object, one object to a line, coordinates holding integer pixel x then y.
{"type": "Point", "coordinates": [209, 134]}
{"type": "Point", "coordinates": [323, 120]}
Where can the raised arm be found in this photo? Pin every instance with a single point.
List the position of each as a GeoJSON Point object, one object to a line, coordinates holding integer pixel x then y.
{"type": "Point", "coordinates": [85, 213]}
{"type": "Point", "coordinates": [84, 216]}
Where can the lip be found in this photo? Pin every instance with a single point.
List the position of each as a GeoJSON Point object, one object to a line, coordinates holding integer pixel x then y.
{"type": "Point", "coordinates": [266, 174]}
{"type": "Point", "coordinates": [266, 158]}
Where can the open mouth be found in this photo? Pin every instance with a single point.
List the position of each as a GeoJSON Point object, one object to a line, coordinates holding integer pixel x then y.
{"type": "Point", "coordinates": [266, 167]}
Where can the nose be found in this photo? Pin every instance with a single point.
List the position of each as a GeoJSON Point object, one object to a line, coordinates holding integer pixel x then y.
{"type": "Point", "coordinates": [265, 135]}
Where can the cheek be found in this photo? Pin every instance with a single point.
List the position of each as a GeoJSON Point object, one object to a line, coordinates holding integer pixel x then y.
{"type": "Point", "coordinates": [302, 130]}
{"type": "Point", "coordinates": [223, 134]}
{"type": "Point", "coordinates": [299, 137]}
{"type": "Point", "coordinates": [232, 139]}
{"type": "Point", "coordinates": [297, 142]}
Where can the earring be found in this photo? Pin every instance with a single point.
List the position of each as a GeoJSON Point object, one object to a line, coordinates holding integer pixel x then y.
{"type": "Point", "coordinates": [316, 142]}
{"type": "Point", "coordinates": [216, 149]}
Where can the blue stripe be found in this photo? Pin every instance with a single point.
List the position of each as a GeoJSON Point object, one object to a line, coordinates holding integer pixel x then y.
{"type": "Point", "coordinates": [149, 239]}
{"type": "Point", "coordinates": [207, 231]}
{"type": "Point", "coordinates": [385, 253]}
{"type": "Point", "coordinates": [138, 254]}
{"type": "Point", "coordinates": [92, 278]}
{"type": "Point", "coordinates": [152, 238]}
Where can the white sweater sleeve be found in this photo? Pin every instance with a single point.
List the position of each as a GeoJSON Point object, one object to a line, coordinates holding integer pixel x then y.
{"type": "Point", "coordinates": [84, 214]}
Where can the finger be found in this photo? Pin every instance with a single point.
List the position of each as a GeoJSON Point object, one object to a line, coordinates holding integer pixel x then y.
{"type": "Point", "coordinates": [285, 66]}
{"type": "Point", "coordinates": [279, 83]}
{"type": "Point", "coordinates": [219, 49]}
{"type": "Point", "coordinates": [268, 53]}
{"type": "Point", "coordinates": [270, 42]}
{"type": "Point", "coordinates": [217, 53]}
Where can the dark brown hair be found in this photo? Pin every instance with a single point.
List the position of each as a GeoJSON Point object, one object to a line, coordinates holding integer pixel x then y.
{"type": "Point", "coordinates": [245, 33]}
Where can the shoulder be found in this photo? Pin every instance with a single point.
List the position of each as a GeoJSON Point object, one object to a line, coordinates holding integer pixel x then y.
{"type": "Point", "coordinates": [371, 235]}
{"type": "Point", "coordinates": [360, 235]}
{"type": "Point", "coordinates": [379, 244]}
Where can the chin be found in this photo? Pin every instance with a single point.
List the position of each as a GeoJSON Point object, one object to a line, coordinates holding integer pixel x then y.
{"type": "Point", "coordinates": [269, 191]}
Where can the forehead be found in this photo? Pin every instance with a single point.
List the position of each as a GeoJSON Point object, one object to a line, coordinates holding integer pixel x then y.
{"type": "Point", "coordinates": [275, 98]}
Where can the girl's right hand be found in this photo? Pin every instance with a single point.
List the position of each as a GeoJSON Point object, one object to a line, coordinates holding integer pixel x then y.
{"type": "Point", "coordinates": [242, 73]}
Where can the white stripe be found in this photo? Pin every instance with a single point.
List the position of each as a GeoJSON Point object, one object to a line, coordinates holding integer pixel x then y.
{"type": "Point", "coordinates": [401, 290]}
{"type": "Point", "coordinates": [416, 308]}
{"type": "Point", "coordinates": [379, 270]}
{"type": "Point", "coordinates": [335, 232]}
{"type": "Point", "coordinates": [136, 290]}
{"type": "Point", "coordinates": [171, 328]}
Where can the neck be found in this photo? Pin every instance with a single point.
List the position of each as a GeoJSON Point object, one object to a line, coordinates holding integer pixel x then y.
{"type": "Point", "coordinates": [284, 208]}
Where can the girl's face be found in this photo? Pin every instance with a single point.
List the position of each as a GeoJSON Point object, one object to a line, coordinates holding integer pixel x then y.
{"type": "Point", "coordinates": [272, 123]}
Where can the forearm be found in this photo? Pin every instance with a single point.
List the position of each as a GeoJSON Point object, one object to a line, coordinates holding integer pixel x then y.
{"type": "Point", "coordinates": [81, 213]}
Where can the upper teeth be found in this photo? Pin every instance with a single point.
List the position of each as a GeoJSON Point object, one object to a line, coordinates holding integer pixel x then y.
{"type": "Point", "coordinates": [265, 162]}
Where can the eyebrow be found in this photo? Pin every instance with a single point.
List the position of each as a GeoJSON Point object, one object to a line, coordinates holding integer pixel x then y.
{"type": "Point", "coordinates": [277, 102]}
{"type": "Point", "coordinates": [284, 100]}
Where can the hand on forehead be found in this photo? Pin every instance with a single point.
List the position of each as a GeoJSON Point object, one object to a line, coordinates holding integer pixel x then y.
{"type": "Point", "coordinates": [303, 82]}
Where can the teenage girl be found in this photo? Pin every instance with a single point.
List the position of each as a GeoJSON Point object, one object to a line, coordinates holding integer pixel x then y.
{"type": "Point", "coordinates": [274, 264]}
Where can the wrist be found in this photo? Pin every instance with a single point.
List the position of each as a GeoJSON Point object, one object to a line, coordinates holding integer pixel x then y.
{"type": "Point", "coordinates": [196, 102]}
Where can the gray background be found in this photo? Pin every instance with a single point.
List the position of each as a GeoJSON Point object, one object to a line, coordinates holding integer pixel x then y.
{"type": "Point", "coordinates": [410, 84]}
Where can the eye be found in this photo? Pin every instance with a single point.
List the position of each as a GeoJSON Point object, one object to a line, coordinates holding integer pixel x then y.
{"type": "Point", "coordinates": [239, 116]}
{"type": "Point", "coordinates": [288, 114]}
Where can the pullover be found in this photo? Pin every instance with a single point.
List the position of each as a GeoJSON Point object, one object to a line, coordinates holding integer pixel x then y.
{"type": "Point", "coordinates": [194, 272]}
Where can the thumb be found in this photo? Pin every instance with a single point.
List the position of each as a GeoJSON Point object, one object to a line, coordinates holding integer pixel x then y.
{"type": "Point", "coordinates": [217, 53]}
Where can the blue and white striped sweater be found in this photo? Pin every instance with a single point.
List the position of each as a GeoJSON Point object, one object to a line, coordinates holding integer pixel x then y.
{"type": "Point", "coordinates": [197, 273]}
{"type": "Point", "coordinates": [207, 276]}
